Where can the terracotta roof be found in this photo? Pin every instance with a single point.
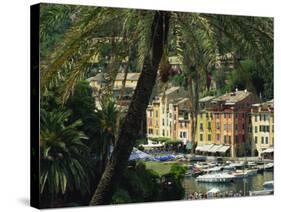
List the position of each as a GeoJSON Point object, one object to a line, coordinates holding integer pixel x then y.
{"type": "Point", "coordinates": [232, 98]}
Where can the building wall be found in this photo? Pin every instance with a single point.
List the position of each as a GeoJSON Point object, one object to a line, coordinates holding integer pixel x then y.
{"type": "Point", "coordinates": [261, 133]}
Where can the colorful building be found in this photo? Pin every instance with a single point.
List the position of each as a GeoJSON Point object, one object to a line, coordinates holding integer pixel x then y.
{"type": "Point", "coordinates": [163, 114]}
{"type": "Point", "coordinates": [222, 122]}
{"type": "Point", "coordinates": [261, 128]}
{"type": "Point", "coordinates": [98, 83]}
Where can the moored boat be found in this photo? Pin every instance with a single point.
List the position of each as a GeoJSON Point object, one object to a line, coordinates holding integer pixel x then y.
{"type": "Point", "coordinates": [215, 178]}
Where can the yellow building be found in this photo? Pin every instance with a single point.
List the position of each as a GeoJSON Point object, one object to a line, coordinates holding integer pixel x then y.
{"type": "Point", "coordinates": [261, 128]}
{"type": "Point", "coordinates": [222, 124]}
{"type": "Point", "coordinates": [162, 114]}
{"type": "Point", "coordinates": [205, 128]}
{"type": "Point", "coordinates": [98, 83]}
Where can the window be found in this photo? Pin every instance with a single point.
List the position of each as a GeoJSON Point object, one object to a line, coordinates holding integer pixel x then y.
{"type": "Point", "coordinates": [184, 134]}
{"type": "Point", "coordinates": [236, 138]}
{"type": "Point", "coordinates": [201, 137]}
{"type": "Point", "coordinates": [163, 122]}
{"type": "Point", "coordinates": [256, 129]}
{"type": "Point", "coordinates": [236, 115]}
{"type": "Point", "coordinates": [156, 114]}
{"type": "Point", "coordinates": [218, 126]}
{"type": "Point", "coordinates": [256, 118]}
{"type": "Point", "coordinates": [209, 137]}
{"type": "Point", "coordinates": [224, 115]}
{"type": "Point", "coordinates": [262, 140]}
{"type": "Point", "coordinates": [209, 125]}
{"type": "Point", "coordinates": [224, 127]}
{"type": "Point", "coordinates": [157, 124]}
{"type": "Point", "coordinates": [266, 140]}
{"type": "Point", "coordinates": [163, 132]}
{"type": "Point", "coordinates": [272, 128]}
{"type": "Point", "coordinates": [256, 139]}
{"type": "Point", "coordinates": [236, 126]}
{"type": "Point", "coordinates": [150, 114]}
{"type": "Point", "coordinates": [150, 131]}
{"type": "Point", "coordinates": [201, 126]}
{"type": "Point", "coordinates": [224, 139]}
{"type": "Point", "coordinates": [218, 137]}
{"type": "Point", "coordinates": [217, 115]}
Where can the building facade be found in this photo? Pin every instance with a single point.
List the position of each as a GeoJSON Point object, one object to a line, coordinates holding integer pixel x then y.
{"type": "Point", "coordinates": [261, 128]}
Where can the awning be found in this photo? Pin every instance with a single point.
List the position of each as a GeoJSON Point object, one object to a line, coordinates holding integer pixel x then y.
{"type": "Point", "coordinates": [204, 148]}
{"type": "Point", "coordinates": [223, 149]}
{"type": "Point", "coordinates": [199, 148]}
{"type": "Point", "coordinates": [139, 155]}
{"type": "Point", "coordinates": [268, 150]}
{"type": "Point", "coordinates": [152, 145]}
{"type": "Point", "coordinates": [214, 148]}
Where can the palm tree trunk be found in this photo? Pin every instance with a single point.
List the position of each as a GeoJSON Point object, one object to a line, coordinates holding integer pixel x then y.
{"type": "Point", "coordinates": [131, 126]}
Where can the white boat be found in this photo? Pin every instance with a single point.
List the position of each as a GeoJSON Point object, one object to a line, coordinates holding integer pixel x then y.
{"type": "Point", "coordinates": [260, 193]}
{"type": "Point", "coordinates": [213, 169]}
{"type": "Point", "coordinates": [268, 189]}
{"type": "Point", "coordinates": [215, 178]}
{"type": "Point", "coordinates": [268, 166]}
{"type": "Point", "coordinates": [239, 174]}
{"type": "Point", "coordinates": [268, 185]}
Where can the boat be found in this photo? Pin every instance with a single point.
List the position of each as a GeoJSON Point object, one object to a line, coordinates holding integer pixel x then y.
{"type": "Point", "coordinates": [260, 193]}
{"type": "Point", "coordinates": [269, 167]}
{"type": "Point", "coordinates": [215, 178]}
{"type": "Point", "coordinates": [260, 168]}
{"type": "Point", "coordinates": [268, 185]}
{"type": "Point", "coordinates": [213, 169]}
{"type": "Point", "coordinates": [268, 189]}
{"type": "Point", "coordinates": [239, 174]}
{"type": "Point", "coordinates": [229, 168]}
{"type": "Point", "coordinates": [251, 172]}
{"type": "Point", "coordinates": [193, 173]}
{"type": "Point", "coordinates": [251, 164]}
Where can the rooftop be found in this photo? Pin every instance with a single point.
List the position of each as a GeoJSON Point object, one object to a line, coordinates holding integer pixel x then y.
{"type": "Point", "coordinates": [206, 99]}
{"type": "Point", "coordinates": [233, 97]}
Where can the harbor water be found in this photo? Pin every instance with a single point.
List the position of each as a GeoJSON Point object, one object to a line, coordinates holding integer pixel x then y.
{"type": "Point", "coordinates": [243, 186]}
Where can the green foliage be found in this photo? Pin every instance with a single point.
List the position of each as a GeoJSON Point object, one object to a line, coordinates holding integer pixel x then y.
{"type": "Point", "coordinates": [178, 171]}
{"type": "Point", "coordinates": [141, 184]}
{"type": "Point", "coordinates": [63, 162]}
{"type": "Point", "coordinates": [172, 188]}
{"type": "Point", "coordinates": [121, 196]}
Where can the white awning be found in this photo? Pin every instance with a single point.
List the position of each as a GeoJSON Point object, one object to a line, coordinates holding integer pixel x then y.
{"type": "Point", "coordinates": [152, 145]}
{"type": "Point", "coordinates": [214, 148]}
{"type": "Point", "coordinates": [206, 147]}
{"type": "Point", "coordinates": [268, 150]}
{"type": "Point", "coordinates": [199, 148]}
{"type": "Point", "coordinates": [223, 149]}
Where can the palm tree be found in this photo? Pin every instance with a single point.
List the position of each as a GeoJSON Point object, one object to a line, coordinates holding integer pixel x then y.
{"type": "Point", "coordinates": [63, 163]}
{"type": "Point", "coordinates": [106, 117]}
{"type": "Point", "coordinates": [147, 31]}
